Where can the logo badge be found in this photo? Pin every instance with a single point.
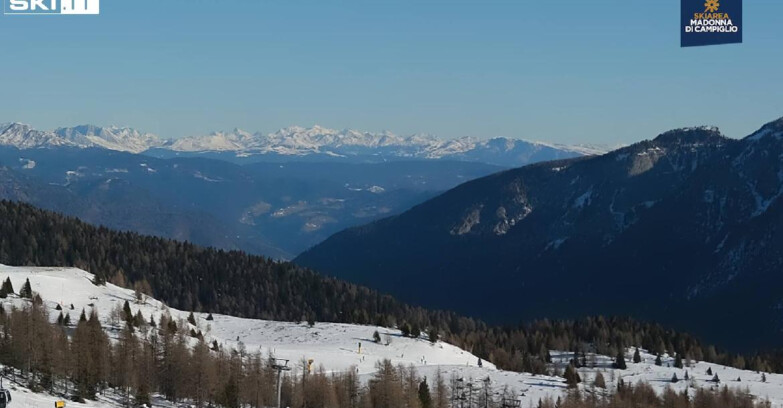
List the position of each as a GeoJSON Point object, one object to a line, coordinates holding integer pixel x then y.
{"type": "Point", "coordinates": [62, 7]}
{"type": "Point", "coordinates": [710, 22]}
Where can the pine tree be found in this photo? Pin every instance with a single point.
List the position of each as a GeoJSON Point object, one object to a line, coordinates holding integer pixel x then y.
{"type": "Point", "coordinates": [763, 377]}
{"type": "Point", "coordinates": [67, 320]}
{"type": "Point", "coordinates": [424, 394]}
{"type": "Point", "coordinates": [376, 337]}
{"type": "Point", "coordinates": [83, 317]}
{"type": "Point", "coordinates": [127, 312]}
{"type": "Point", "coordinates": [405, 329]}
{"type": "Point", "coordinates": [229, 397]}
{"type": "Point", "coordinates": [192, 319]}
{"type": "Point", "coordinates": [138, 319]}
{"type": "Point", "coordinates": [210, 318]}
{"type": "Point", "coordinates": [571, 376]}
{"type": "Point", "coordinates": [8, 287]}
{"type": "Point", "coordinates": [619, 361]}
{"type": "Point", "coordinates": [637, 357]}
{"type": "Point", "coordinates": [599, 381]}
{"type": "Point", "coordinates": [674, 378]}
{"type": "Point", "coordinates": [433, 335]}
{"type": "Point", "coordinates": [687, 377]}
{"type": "Point", "coordinates": [99, 279]}
{"type": "Point", "coordinates": [677, 361]}
{"type": "Point", "coordinates": [709, 370]}
{"type": "Point", "coordinates": [27, 290]}
{"type": "Point", "coordinates": [415, 331]}
{"type": "Point", "coordinates": [658, 361]}
{"type": "Point", "coordinates": [715, 378]}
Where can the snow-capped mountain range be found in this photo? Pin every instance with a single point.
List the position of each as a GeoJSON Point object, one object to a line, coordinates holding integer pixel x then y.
{"type": "Point", "coordinates": [24, 136]}
{"type": "Point", "coordinates": [297, 141]}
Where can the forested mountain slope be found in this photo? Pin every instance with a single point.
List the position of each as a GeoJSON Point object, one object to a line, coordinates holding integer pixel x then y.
{"type": "Point", "coordinates": [189, 277]}
{"type": "Point", "coordinates": [691, 220]}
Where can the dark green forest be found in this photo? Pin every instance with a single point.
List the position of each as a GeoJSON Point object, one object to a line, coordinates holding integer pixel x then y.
{"type": "Point", "coordinates": [189, 277]}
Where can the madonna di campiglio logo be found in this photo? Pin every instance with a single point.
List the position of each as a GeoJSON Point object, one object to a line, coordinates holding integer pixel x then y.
{"type": "Point", "coordinates": [711, 6]}
{"type": "Point", "coordinates": [710, 22]}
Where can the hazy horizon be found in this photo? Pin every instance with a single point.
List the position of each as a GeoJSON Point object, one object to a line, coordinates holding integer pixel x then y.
{"type": "Point", "coordinates": [562, 72]}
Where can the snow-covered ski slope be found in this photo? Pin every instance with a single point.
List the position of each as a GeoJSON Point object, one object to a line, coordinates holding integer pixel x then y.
{"type": "Point", "coordinates": [336, 346]}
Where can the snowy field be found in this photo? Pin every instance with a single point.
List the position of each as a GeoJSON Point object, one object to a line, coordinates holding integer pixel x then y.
{"type": "Point", "coordinates": [336, 346]}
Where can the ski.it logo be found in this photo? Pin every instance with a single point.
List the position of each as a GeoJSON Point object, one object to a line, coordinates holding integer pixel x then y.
{"type": "Point", "coordinates": [51, 6]}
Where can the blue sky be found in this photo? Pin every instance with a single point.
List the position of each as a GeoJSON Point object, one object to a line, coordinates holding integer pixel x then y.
{"type": "Point", "coordinates": [562, 71]}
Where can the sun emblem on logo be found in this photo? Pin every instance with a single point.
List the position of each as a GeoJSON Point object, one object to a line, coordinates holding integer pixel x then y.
{"type": "Point", "coordinates": [711, 6]}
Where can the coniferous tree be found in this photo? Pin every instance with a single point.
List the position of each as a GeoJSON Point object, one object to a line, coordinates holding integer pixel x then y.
{"type": "Point", "coordinates": [571, 376]}
{"type": "Point", "coordinates": [138, 319]}
{"type": "Point", "coordinates": [709, 370]}
{"type": "Point", "coordinates": [405, 329]}
{"type": "Point", "coordinates": [677, 361]}
{"type": "Point", "coordinates": [8, 287]}
{"type": "Point", "coordinates": [424, 394]}
{"type": "Point", "coordinates": [210, 318]}
{"type": "Point", "coordinates": [433, 334]}
{"type": "Point", "coordinates": [415, 331]}
{"type": "Point", "coordinates": [715, 378]}
{"type": "Point", "coordinates": [637, 358]}
{"type": "Point", "coordinates": [376, 337]}
{"type": "Point", "coordinates": [192, 319]}
{"type": "Point", "coordinates": [619, 361]}
{"type": "Point", "coordinates": [27, 290]}
{"type": "Point", "coordinates": [674, 378]}
{"type": "Point", "coordinates": [229, 397]}
{"type": "Point", "coordinates": [599, 381]}
{"type": "Point", "coordinates": [127, 312]}
{"type": "Point", "coordinates": [658, 361]}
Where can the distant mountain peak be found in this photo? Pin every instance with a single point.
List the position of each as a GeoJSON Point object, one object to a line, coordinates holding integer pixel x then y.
{"type": "Point", "coordinates": [774, 128]}
{"type": "Point", "coordinates": [111, 137]}
{"type": "Point", "coordinates": [691, 136]}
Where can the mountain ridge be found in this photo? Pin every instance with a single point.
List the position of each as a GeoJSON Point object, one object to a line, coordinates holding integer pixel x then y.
{"type": "Point", "coordinates": [296, 142]}
{"type": "Point", "coordinates": [691, 208]}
